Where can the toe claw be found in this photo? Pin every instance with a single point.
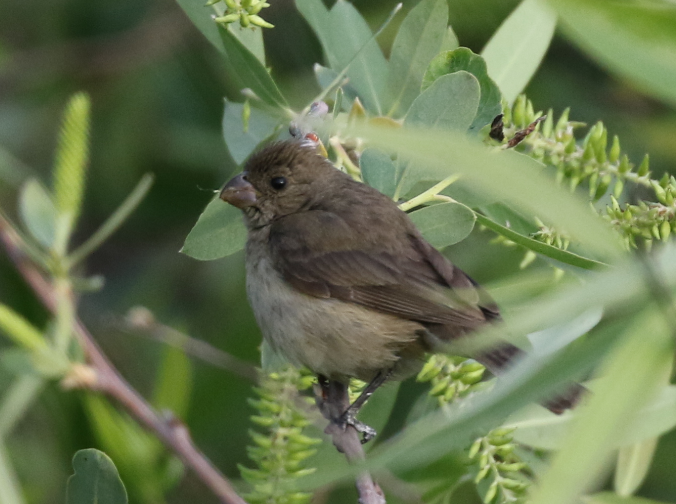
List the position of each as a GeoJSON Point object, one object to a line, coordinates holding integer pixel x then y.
{"type": "Point", "coordinates": [366, 431]}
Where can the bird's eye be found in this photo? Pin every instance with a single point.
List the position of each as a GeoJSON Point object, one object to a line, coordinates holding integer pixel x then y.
{"type": "Point", "coordinates": [278, 183]}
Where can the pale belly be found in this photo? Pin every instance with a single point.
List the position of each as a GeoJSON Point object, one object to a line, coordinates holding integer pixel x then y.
{"type": "Point", "coordinates": [330, 337]}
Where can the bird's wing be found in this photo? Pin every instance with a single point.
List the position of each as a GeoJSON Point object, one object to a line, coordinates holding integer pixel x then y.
{"type": "Point", "coordinates": [408, 279]}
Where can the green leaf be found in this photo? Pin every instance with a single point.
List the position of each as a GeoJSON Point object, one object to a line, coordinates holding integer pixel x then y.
{"type": "Point", "coordinates": [506, 175]}
{"type": "Point", "coordinates": [556, 337]}
{"type": "Point", "coordinates": [326, 76]}
{"type": "Point", "coordinates": [464, 59]}
{"type": "Point", "coordinates": [632, 372]}
{"type": "Point", "coordinates": [541, 248]}
{"type": "Point", "coordinates": [418, 40]}
{"type": "Point", "coordinates": [38, 212]}
{"type": "Point", "coordinates": [242, 65]}
{"type": "Point", "coordinates": [95, 481]}
{"type": "Point", "coordinates": [242, 143]}
{"type": "Point", "coordinates": [633, 463]}
{"type": "Point", "coordinates": [611, 498]}
{"type": "Point", "coordinates": [379, 171]}
{"type": "Point", "coordinates": [219, 232]}
{"type": "Point", "coordinates": [636, 40]}
{"type": "Point", "coordinates": [173, 383]}
{"type": "Point", "coordinates": [454, 428]}
{"type": "Point", "coordinates": [250, 38]}
{"type": "Point", "coordinates": [515, 51]}
{"type": "Point", "coordinates": [21, 331]}
{"type": "Point", "coordinates": [72, 156]}
{"type": "Point", "coordinates": [444, 224]}
{"type": "Point", "coordinates": [343, 33]}
{"type": "Point", "coordinates": [544, 430]}
{"type": "Point", "coordinates": [450, 103]}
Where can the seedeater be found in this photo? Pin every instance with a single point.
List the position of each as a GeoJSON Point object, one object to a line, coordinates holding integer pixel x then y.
{"type": "Point", "coordinates": [342, 282]}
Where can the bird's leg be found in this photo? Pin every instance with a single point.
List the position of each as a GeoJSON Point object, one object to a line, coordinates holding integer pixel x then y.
{"type": "Point", "coordinates": [349, 416]}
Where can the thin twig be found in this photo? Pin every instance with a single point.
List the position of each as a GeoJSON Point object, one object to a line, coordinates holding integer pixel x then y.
{"type": "Point", "coordinates": [141, 322]}
{"type": "Point", "coordinates": [171, 432]}
{"type": "Point", "coordinates": [332, 402]}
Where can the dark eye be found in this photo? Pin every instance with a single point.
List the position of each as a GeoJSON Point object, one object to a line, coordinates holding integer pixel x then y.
{"type": "Point", "coordinates": [278, 183]}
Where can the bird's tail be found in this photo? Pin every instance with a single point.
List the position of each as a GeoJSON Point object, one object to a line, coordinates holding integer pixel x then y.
{"type": "Point", "coordinates": [498, 359]}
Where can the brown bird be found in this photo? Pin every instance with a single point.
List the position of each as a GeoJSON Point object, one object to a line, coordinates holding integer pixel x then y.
{"type": "Point", "coordinates": [341, 281]}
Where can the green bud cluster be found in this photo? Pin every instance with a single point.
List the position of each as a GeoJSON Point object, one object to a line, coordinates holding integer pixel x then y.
{"type": "Point", "coordinates": [244, 11]}
{"type": "Point", "coordinates": [645, 222]}
{"type": "Point", "coordinates": [498, 468]}
{"type": "Point", "coordinates": [451, 377]}
{"type": "Point", "coordinates": [602, 165]}
{"type": "Point", "coordinates": [592, 159]}
{"type": "Point", "coordinates": [280, 452]}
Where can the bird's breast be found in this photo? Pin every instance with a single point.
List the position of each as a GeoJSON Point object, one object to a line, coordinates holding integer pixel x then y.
{"type": "Point", "coordinates": [331, 337]}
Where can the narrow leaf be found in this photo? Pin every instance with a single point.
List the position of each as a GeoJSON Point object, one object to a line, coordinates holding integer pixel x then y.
{"type": "Point", "coordinates": [633, 463]}
{"type": "Point", "coordinates": [242, 66]}
{"type": "Point", "coordinates": [344, 34]}
{"type": "Point", "coordinates": [515, 51]}
{"type": "Point", "coordinates": [418, 40]}
{"type": "Point", "coordinates": [173, 383]}
{"type": "Point", "coordinates": [636, 40]}
{"type": "Point", "coordinates": [241, 143]}
{"type": "Point", "coordinates": [612, 498]}
{"type": "Point", "coordinates": [219, 232]}
{"type": "Point", "coordinates": [21, 331]}
{"type": "Point", "coordinates": [96, 480]}
{"type": "Point", "coordinates": [632, 373]}
{"type": "Point", "coordinates": [37, 212]}
{"type": "Point", "coordinates": [541, 248]}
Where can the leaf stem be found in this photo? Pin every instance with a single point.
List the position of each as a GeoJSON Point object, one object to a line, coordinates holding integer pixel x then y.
{"type": "Point", "coordinates": [431, 194]}
{"type": "Point", "coordinates": [113, 222]}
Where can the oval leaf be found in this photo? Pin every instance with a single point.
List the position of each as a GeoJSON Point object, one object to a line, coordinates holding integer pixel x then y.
{"type": "Point", "coordinates": [450, 103]}
{"type": "Point", "coordinates": [95, 480]}
{"type": "Point", "coordinates": [418, 40]}
{"type": "Point", "coordinates": [379, 171]}
{"type": "Point", "coordinates": [464, 59]}
{"type": "Point", "coordinates": [516, 50]}
{"type": "Point", "coordinates": [219, 232]}
{"type": "Point", "coordinates": [241, 141]}
{"type": "Point", "coordinates": [38, 212]}
{"type": "Point", "coordinates": [444, 224]}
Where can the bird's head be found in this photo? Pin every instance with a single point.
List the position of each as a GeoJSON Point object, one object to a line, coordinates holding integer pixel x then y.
{"type": "Point", "coordinates": [281, 179]}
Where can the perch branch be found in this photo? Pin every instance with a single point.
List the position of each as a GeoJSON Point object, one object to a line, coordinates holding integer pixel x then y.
{"type": "Point", "coordinates": [332, 401]}
{"type": "Point", "coordinates": [170, 431]}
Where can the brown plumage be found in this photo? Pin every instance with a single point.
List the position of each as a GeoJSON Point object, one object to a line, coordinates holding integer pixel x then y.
{"type": "Point", "coordinates": [339, 278]}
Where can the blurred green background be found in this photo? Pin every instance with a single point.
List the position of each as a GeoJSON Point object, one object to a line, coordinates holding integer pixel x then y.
{"type": "Point", "coordinates": [157, 91]}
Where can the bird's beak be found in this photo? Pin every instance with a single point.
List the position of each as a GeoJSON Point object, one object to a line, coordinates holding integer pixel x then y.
{"type": "Point", "coordinates": [239, 192]}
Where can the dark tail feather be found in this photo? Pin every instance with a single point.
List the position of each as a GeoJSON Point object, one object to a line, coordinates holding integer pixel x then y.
{"type": "Point", "coordinates": [497, 360]}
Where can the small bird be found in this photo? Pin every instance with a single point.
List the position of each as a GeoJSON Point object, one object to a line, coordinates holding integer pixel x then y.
{"type": "Point", "coordinates": [342, 282]}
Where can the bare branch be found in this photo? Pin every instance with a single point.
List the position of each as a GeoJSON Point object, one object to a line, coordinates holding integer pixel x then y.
{"type": "Point", "coordinates": [170, 431]}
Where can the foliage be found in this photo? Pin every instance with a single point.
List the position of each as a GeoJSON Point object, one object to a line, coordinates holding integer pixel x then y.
{"type": "Point", "coordinates": [280, 453]}
{"type": "Point", "coordinates": [419, 124]}
{"type": "Point", "coordinates": [459, 96]}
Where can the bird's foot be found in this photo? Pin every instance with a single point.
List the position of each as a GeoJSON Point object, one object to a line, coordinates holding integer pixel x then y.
{"type": "Point", "coordinates": [348, 418]}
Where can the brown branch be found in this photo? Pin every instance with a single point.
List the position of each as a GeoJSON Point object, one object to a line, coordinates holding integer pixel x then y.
{"type": "Point", "coordinates": [333, 400]}
{"type": "Point", "coordinates": [170, 431]}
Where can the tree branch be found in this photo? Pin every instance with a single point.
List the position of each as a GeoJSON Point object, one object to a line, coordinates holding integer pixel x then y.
{"type": "Point", "coordinates": [332, 401]}
{"type": "Point", "coordinates": [170, 431]}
